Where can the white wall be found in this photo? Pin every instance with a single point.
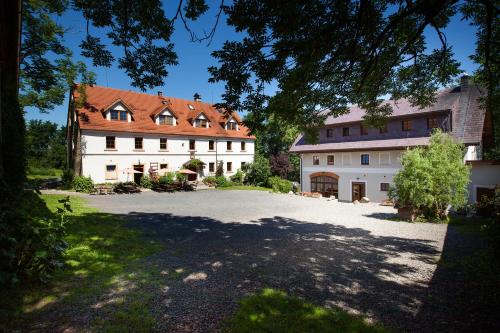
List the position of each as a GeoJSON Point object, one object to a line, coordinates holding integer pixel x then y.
{"type": "Point", "coordinates": [383, 165]}
{"type": "Point", "coordinates": [483, 175]}
{"type": "Point", "coordinates": [95, 156]}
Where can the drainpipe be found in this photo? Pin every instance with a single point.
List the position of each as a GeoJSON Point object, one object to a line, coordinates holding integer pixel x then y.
{"type": "Point", "coordinates": [216, 153]}
{"type": "Point", "coordinates": [301, 184]}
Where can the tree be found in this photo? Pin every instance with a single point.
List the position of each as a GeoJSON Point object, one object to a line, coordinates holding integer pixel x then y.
{"type": "Point", "coordinates": [432, 177]}
{"type": "Point", "coordinates": [325, 55]}
{"type": "Point", "coordinates": [258, 172]}
{"type": "Point", "coordinates": [280, 165]}
{"type": "Point", "coordinates": [45, 144]}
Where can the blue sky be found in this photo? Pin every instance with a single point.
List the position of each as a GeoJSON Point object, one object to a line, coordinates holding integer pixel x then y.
{"type": "Point", "coordinates": [191, 74]}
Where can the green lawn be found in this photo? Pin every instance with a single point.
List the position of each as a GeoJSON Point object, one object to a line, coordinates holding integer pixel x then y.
{"type": "Point", "coordinates": [44, 173]}
{"type": "Point", "coordinates": [244, 187]}
{"type": "Point", "coordinates": [274, 311]}
{"type": "Point", "coordinates": [102, 258]}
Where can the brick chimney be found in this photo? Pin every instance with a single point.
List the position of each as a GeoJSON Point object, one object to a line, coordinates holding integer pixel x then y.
{"type": "Point", "coordinates": [464, 82]}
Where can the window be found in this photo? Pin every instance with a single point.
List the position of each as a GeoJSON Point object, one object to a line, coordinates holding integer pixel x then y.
{"type": "Point", "coordinates": [163, 166]}
{"type": "Point", "coordinates": [432, 122]}
{"type": "Point", "coordinates": [123, 115]}
{"type": "Point", "coordinates": [229, 166]}
{"type": "Point", "coordinates": [384, 187]}
{"type": "Point", "coordinates": [231, 125]}
{"type": "Point", "coordinates": [363, 129]}
{"type": "Point", "coordinates": [229, 145]}
{"type": "Point", "coordinates": [211, 145]}
{"type": "Point", "coordinates": [345, 131]}
{"type": "Point", "coordinates": [325, 185]}
{"type": "Point", "coordinates": [192, 145]}
{"type": "Point", "coordinates": [211, 167]}
{"type": "Point", "coordinates": [118, 115]}
{"type": "Point", "coordinates": [384, 129]}
{"type": "Point", "coordinates": [243, 164]}
{"type": "Point", "coordinates": [315, 160]}
{"type": "Point", "coordinates": [365, 159]}
{"type": "Point", "coordinates": [166, 120]}
{"type": "Point", "coordinates": [138, 143]}
{"type": "Point", "coordinates": [329, 132]}
{"type": "Point", "coordinates": [406, 125]}
{"type": "Point", "coordinates": [330, 159]}
{"type": "Point", "coordinates": [110, 142]}
{"type": "Point", "coordinates": [243, 146]}
{"type": "Point", "coordinates": [163, 143]}
{"type": "Point", "coordinates": [111, 172]}
{"type": "Point", "coordinates": [200, 123]}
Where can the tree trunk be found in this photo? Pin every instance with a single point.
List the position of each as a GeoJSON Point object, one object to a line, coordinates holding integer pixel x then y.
{"type": "Point", "coordinates": [12, 166]}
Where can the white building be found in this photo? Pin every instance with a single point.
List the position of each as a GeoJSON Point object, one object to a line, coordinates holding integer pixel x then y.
{"type": "Point", "coordinates": [115, 131]}
{"type": "Point", "coordinates": [352, 160]}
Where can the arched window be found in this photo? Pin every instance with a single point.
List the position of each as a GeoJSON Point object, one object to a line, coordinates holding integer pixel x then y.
{"type": "Point", "coordinates": [325, 185]}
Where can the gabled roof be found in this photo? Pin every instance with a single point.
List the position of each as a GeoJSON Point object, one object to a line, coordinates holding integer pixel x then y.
{"type": "Point", "coordinates": [161, 109]}
{"type": "Point", "coordinates": [118, 101]}
{"type": "Point", "coordinates": [143, 106]}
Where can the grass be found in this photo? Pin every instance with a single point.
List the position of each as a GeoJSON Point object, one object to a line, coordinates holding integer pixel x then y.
{"type": "Point", "coordinates": [103, 258]}
{"type": "Point", "coordinates": [43, 173]}
{"type": "Point", "coordinates": [275, 311]}
{"type": "Point", "coordinates": [244, 187]}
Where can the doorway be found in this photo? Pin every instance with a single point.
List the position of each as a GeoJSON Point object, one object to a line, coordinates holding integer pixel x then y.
{"type": "Point", "coordinates": [358, 190]}
{"type": "Point", "coordinates": [138, 176]}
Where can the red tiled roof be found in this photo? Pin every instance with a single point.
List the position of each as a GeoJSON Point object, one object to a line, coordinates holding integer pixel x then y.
{"type": "Point", "coordinates": [143, 106]}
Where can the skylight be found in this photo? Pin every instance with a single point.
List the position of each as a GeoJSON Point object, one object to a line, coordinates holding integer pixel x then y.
{"type": "Point", "coordinates": [191, 107]}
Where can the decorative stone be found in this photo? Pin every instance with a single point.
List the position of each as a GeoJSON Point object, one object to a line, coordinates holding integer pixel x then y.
{"type": "Point", "coordinates": [356, 202]}
{"type": "Point", "coordinates": [365, 200]}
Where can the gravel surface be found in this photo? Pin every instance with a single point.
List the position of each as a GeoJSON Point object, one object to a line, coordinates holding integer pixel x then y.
{"type": "Point", "coordinates": [222, 245]}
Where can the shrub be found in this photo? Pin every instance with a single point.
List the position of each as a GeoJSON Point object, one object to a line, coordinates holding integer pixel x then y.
{"type": "Point", "coordinates": [280, 185]}
{"type": "Point", "coordinates": [258, 172]}
{"type": "Point", "coordinates": [280, 165]}
{"type": "Point", "coordinates": [432, 178]}
{"type": "Point", "coordinates": [209, 181]}
{"type": "Point", "coordinates": [180, 177]}
{"type": "Point", "coordinates": [238, 177]}
{"type": "Point", "coordinates": [146, 182]}
{"type": "Point", "coordinates": [83, 184]}
{"type": "Point", "coordinates": [194, 164]}
{"type": "Point", "coordinates": [32, 239]}
{"type": "Point", "coordinates": [221, 181]}
{"type": "Point", "coordinates": [168, 178]}
{"type": "Point", "coordinates": [219, 172]}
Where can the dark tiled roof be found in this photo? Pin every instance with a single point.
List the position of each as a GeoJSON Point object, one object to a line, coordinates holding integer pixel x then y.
{"type": "Point", "coordinates": [467, 122]}
{"type": "Point", "coordinates": [144, 106]}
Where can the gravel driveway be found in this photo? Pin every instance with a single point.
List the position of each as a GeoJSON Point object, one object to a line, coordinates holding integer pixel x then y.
{"type": "Point", "coordinates": [225, 244]}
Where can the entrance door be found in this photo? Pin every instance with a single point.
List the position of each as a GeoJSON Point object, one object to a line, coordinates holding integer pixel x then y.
{"type": "Point", "coordinates": [358, 191]}
{"type": "Point", "coordinates": [138, 176]}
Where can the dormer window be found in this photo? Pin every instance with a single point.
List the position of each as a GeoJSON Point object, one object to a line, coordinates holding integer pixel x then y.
{"type": "Point", "coordinates": [118, 115]}
{"type": "Point", "coordinates": [201, 121]}
{"type": "Point", "coordinates": [165, 120]}
{"type": "Point", "coordinates": [231, 126]}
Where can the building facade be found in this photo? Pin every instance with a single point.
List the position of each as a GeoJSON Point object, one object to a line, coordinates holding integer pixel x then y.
{"type": "Point", "coordinates": [116, 135]}
{"type": "Point", "coordinates": [352, 160]}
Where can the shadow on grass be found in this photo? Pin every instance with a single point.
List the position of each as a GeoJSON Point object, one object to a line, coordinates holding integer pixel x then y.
{"type": "Point", "coordinates": [275, 311]}
{"type": "Point", "coordinates": [174, 273]}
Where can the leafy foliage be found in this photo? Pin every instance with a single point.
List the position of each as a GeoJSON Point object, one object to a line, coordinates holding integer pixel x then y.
{"type": "Point", "coordinates": [221, 181]}
{"type": "Point", "coordinates": [258, 172]}
{"type": "Point", "coordinates": [83, 184]}
{"type": "Point", "coordinates": [238, 177]}
{"type": "Point", "coordinates": [219, 172]}
{"type": "Point", "coordinates": [209, 181]}
{"type": "Point", "coordinates": [168, 178]}
{"type": "Point", "coordinates": [325, 55]}
{"type": "Point", "coordinates": [45, 145]}
{"type": "Point", "coordinates": [32, 239]}
{"type": "Point", "coordinates": [280, 165]}
{"type": "Point", "coordinates": [432, 178]}
{"type": "Point", "coordinates": [280, 185]}
{"type": "Point", "coordinates": [146, 182]}
{"type": "Point", "coordinates": [180, 177]}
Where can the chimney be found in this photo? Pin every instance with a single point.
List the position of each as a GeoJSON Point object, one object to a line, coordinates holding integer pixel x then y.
{"type": "Point", "coordinates": [160, 94]}
{"type": "Point", "coordinates": [464, 82]}
{"type": "Point", "coordinates": [197, 97]}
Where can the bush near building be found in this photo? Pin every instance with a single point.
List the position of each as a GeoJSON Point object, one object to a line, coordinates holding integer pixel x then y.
{"type": "Point", "coordinates": [83, 184]}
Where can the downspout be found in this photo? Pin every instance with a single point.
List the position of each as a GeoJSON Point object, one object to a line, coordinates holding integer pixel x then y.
{"type": "Point", "coordinates": [301, 184]}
